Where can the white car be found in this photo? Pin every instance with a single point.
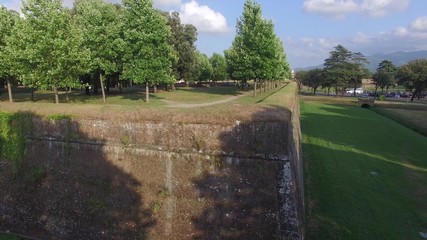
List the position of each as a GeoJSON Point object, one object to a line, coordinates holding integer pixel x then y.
{"type": "Point", "coordinates": [351, 90]}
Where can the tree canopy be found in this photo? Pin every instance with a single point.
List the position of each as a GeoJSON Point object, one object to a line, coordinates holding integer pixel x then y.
{"type": "Point", "coordinates": [413, 76]}
{"type": "Point", "coordinates": [148, 56]}
{"type": "Point", "coordinates": [256, 52]}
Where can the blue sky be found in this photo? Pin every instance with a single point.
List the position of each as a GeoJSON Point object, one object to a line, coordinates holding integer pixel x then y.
{"type": "Point", "coordinates": [309, 29]}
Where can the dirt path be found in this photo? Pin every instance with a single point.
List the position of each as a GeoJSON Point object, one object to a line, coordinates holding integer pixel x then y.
{"type": "Point", "coordinates": [174, 104]}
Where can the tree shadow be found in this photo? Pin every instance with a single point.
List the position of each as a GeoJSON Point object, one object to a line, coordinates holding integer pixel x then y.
{"type": "Point", "coordinates": [71, 188]}
{"type": "Point", "coordinates": [241, 194]}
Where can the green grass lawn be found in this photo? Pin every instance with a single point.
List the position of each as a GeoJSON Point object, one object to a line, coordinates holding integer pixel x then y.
{"type": "Point", "coordinates": [365, 175]}
{"type": "Point", "coordinates": [131, 96]}
{"type": "Point", "coordinates": [413, 119]}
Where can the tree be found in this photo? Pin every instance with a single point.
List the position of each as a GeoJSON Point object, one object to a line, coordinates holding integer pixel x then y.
{"type": "Point", "coordinates": [101, 25]}
{"type": "Point", "coordinates": [256, 52]}
{"type": "Point", "coordinates": [313, 78]}
{"type": "Point", "coordinates": [299, 76]}
{"type": "Point", "coordinates": [8, 20]}
{"type": "Point", "coordinates": [49, 46]}
{"type": "Point", "coordinates": [219, 67]}
{"type": "Point", "coordinates": [358, 71]}
{"type": "Point", "coordinates": [204, 67]}
{"type": "Point", "coordinates": [384, 77]}
{"type": "Point", "coordinates": [413, 76]}
{"type": "Point", "coordinates": [183, 39]}
{"type": "Point", "coordinates": [148, 56]}
{"type": "Point", "coordinates": [344, 68]}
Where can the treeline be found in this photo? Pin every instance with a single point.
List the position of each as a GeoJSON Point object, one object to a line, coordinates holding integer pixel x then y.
{"type": "Point", "coordinates": [345, 69]}
{"type": "Point", "coordinates": [98, 44]}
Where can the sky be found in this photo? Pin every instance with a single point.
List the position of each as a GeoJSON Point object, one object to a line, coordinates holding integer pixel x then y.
{"type": "Point", "coordinates": [309, 29]}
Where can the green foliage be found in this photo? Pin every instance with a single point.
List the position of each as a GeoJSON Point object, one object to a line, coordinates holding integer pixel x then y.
{"type": "Point", "coordinates": [312, 78]}
{"type": "Point", "coordinates": [183, 39]}
{"type": "Point", "coordinates": [124, 139]}
{"type": "Point", "coordinates": [58, 116]}
{"type": "Point", "coordinates": [149, 56]}
{"type": "Point", "coordinates": [413, 76]}
{"type": "Point", "coordinates": [384, 77]}
{"type": "Point", "coordinates": [204, 68]}
{"type": "Point", "coordinates": [219, 67]}
{"type": "Point", "coordinates": [344, 69]}
{"type": "Point", "coordinates": [36, 174]}
{"type": "Point", "coordinates": [48, 47]}
{"type": "Point", "coordinates": [96, 205]}
{"type": "Point", "coordinates": [256, 52]}
{"type": "Point", "coordinates": [13, 130]}
{"type": "Point", "coordinates": [156, 207]}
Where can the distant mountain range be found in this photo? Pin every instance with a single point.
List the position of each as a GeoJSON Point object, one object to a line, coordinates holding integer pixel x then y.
{"type": "Point", "coordinates": [398, 58]}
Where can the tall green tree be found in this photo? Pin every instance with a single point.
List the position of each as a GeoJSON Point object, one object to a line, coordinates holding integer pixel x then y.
{"type": "Point", "coordinates": [256, 52]}
{"type": "Point", "coordinates": [203, 68]}
{"type": "Point", "coordinates": [101, 25]}
{"type": "Point", "coordinates": [8, 21]}
{"type": "Point", "coordinates": [358, 70]}
{"type": "Point", "coordinates": [50, 45]}
{"type": "Point", "coordinates": [338, 68]}
{"type": "Point", "coordinates": [385, 75]}
{"type": "Point", "coordinates": [148, 54]}
{"type": "Point", "coordinates": [313, 78]}
{"type": "Point", "coordinates": [219, 67]}
{"type": "Point", "coordinates": [413, 76]}
{"type": "Point", "coordinates": [298, 77]}
{"type": "Point", "coordinates": [183, 39]}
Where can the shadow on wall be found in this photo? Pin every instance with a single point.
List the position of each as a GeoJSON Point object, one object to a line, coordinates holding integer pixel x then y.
{"type": "Point", "coordinates": [241, 194]}
{"type": "Point", "coordinates": [70, 194]}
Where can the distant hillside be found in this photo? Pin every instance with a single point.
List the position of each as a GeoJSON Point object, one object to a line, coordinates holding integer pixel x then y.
{"type": "Point", "coordinates": [398, 58]}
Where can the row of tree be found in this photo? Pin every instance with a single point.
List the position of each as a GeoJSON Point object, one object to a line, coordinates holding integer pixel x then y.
{"type": "Point", "coordinates": [54, 47]}
{"type": "Point", "coordinates": [98, 43]}
{"type": "Point", "coordinates": [345, 69]}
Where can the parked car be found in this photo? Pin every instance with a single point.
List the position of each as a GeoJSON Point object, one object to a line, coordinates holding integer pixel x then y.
{"type": "Point", "coordinates": [351, 90]}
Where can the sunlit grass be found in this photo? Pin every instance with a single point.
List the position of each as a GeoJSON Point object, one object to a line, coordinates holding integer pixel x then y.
{"type": "Point", "coordinates": [365, 175]}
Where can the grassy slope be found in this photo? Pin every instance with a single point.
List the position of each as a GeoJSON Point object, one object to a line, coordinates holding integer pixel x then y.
{"type": "Point", "coordinates": [344, 146]}
{"type": "Point", "coordinates": [413, 119]}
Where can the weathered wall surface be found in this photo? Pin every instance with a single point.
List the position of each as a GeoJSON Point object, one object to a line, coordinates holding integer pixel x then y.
{"type": "Point", "coordinates": [88, 179]}
{"type": "Point", "coordinates": [238, 138]}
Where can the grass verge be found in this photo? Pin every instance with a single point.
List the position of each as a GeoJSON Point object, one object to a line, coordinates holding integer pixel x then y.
{"type": "Point", "coordinates": [365, 175]}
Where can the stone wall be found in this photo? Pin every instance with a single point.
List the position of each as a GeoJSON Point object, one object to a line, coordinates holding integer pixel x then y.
{"type": "Point", "coordinates": [93, 179]}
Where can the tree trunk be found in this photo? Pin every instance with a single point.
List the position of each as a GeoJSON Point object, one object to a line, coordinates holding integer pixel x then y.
{"type": "Point", "coordinates": [375, 92]}
{"type": "Point", "coordinates": [120, 87]}
{"type": "Point", "coordinates": [32, 94]}
{"type": "Point", "coordinates": [101, 80]}
{"type": "Point", "coordinates": [9, 90]}
{"type": "Point", "coordinates": [55, 89]}
{"type": "Point", "coordinates": [155, 88]}
{"type": "Point", "coordinates": [66, 94]}
{"type": "Point", "coordinates": [147, 92]}
{"type": "Point", "coordinates": [412, 97]}
{"type": "Point", "coordinates": [130, 83]}
{"type": "Point", "coordinates": [173, 87]}
{"type": "Point", "coordinates": [255, 87]}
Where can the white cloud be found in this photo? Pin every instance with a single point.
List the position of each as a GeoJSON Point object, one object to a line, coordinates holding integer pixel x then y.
{"type": "Point", "coordinates": [203, 18]}
{"type": "Point", "coordinates": [307, 51]}
{"type": "Point", "coordinates": [419, 25]}
{"type": "Point", "coordinates": [311, 51]}
{"type": "Point", "coordinates": [380, 8]}
{"type": "Point", "coordinates": [330, 8]}
{"type": "Point", "coordinates": [339, 9]}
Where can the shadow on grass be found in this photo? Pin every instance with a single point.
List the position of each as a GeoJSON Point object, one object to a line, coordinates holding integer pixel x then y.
{"type": "Point", "coordinates": [68, 189]}
{"type": "Point", "coordinates": [360, 170]}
